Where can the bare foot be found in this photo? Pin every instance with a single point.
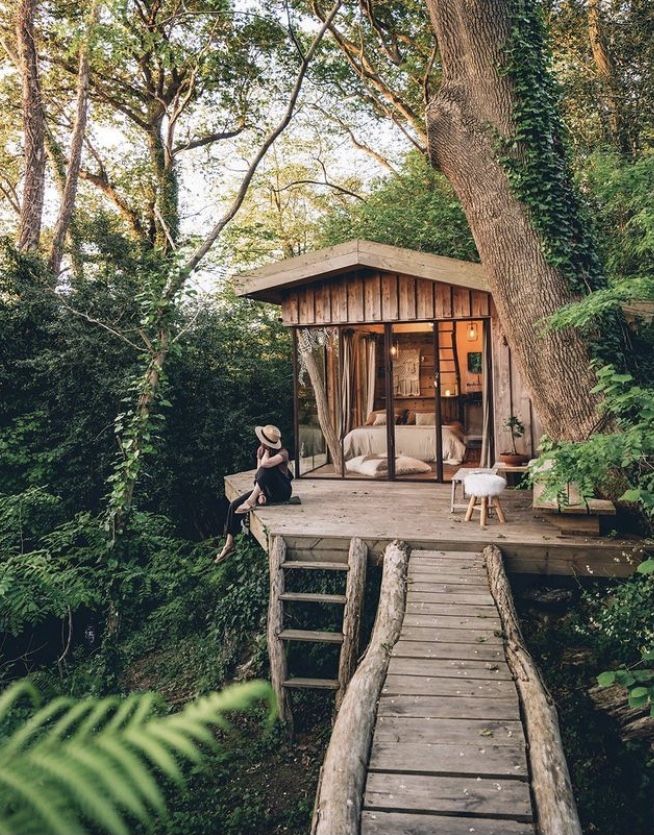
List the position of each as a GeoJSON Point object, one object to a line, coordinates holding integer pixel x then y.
{"type": "Point", "coordinates": [246, 507]}
{"type": "Point", "coordinates": [262, 499]}
{"type": "Point", "coordinates": [227, 550]}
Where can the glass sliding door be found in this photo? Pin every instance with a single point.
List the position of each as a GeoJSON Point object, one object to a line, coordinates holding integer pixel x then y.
{"type": "Point", "coordinates": [465, 401]}
{"type": "Point", "coordinates": [415, 413]}
{"type": "Point", "coordinates": [364, 401]}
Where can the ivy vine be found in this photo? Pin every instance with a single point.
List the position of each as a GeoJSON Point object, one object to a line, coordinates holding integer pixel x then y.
{"type": "Point", "coordinates": [536, 158]}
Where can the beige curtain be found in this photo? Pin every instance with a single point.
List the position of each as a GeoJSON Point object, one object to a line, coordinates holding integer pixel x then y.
{"type": "Point", "coordinates": [347, 380]}
{"type": "Point", "coordinates": [371, 369]}
{"type": "Point", "coordinates": [308, 360]}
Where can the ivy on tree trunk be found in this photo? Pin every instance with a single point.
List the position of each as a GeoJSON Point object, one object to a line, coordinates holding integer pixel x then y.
{"type": "Point", "coordinates": [494, 131]}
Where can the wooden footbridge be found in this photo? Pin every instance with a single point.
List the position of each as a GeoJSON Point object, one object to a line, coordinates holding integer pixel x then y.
{"type": "Point", "coordinates": [448, 751]}
{"type": "Point", "coordinates": [443, 726]}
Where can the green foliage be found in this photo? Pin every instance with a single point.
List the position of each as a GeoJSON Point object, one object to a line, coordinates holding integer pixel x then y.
{"type": "Point", "coordinates": [517, 429]}
{"type": "Point", "coordinates": [76, 766]}
{"type": "Point", "coordinates": [415, 208]}
{"type": "Point", "coordinates": [535, 157]}
{"type": "Point", "coordinates": [229, 370]}
{"type": "Point", "coordinates": [44, 572]}
{"type": "Point", "coordinates": [628, 450]}
{"type": "Point", "coordinates": [612, 780]}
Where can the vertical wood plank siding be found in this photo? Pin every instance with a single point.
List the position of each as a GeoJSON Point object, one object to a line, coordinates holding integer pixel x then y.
{"type": "Point", "coordinates": [511, 397]}
{"type": "Point", "coordinates": [380, 297]}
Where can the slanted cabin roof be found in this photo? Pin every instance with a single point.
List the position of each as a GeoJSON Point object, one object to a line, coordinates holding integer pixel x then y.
{"type": "Point", "coordinates": [269, 283]}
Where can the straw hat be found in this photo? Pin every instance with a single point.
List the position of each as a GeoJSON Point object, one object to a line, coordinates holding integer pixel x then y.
{"type": "Point", "coordinates": [269, 436]}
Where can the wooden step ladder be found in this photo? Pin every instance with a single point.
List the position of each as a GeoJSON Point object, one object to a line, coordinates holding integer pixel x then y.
{"type": "Point", "coordinates": [279, 636]}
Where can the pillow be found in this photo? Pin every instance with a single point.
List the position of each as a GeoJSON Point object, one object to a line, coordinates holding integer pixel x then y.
{"type": "Point", "coordinates": [406, 466]}
{"type": "Point", "coordinates": [380, 419]}
{"type": "Point", "coordinates": [368, 465]}
{"type": "Point", "coordinates": [425, 419]}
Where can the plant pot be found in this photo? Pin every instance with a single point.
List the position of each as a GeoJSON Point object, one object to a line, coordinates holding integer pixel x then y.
{"type": "Point", "coordinates": [513, 460]}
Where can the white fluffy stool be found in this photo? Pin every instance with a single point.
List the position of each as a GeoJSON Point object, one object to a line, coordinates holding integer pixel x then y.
{"type": "Point", "coordinates": [487, 489]}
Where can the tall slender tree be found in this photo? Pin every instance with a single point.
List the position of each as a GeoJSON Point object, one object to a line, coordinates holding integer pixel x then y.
{"type": "Point", "coordinates": [29, 228]}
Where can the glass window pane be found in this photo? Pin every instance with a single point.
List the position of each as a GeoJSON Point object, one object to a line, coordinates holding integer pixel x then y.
{"type": "Point", "coordinates": [319, 414]}
{"type": "Point", "coordinates": [414, 370]}
{"type": "Point", "coordinates": [363, 386]}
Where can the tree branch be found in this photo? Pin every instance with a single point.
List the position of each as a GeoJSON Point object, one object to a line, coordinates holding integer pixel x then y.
{"type": "Point", "coordinates": [209, 138]}
{"type": "Point", "coordinates": [97, 322]}
{"type": "Point", "coordinates": [102, 182]}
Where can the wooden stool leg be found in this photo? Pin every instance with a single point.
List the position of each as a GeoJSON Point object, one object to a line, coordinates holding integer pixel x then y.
{"type": "Point", "coordinates": [471, 507]}
{"type": "Point", "coordinates": [484, 511]}
{"type": "Point", "coordinates": [498, 508]}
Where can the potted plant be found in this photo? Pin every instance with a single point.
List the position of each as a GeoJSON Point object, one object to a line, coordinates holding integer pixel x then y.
{"type": "Point", "coordinates": [517, 429]}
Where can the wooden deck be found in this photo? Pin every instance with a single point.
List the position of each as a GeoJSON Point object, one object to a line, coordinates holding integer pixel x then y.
{"type": "Point", "coordinates": [448, 753]}
{"type": "Point", "coordinates": [334, 511]}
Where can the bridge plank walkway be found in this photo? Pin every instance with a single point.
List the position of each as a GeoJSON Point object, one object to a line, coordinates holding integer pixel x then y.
{"type": "Point", "coordinates": [448, 753]}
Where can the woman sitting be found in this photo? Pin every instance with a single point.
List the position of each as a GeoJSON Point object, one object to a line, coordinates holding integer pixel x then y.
{"type": "Point", "coordinates": [272, 483]}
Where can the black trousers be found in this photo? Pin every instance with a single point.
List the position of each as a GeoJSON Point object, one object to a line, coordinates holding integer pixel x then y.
{"type": "Point", "coordinates": [274, 485]}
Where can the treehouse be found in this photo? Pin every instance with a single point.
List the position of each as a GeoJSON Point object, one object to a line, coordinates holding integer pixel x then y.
{"type": "Point", "coordinates": [401, 370]}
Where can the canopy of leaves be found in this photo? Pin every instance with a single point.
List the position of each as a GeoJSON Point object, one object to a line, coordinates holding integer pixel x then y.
{"type": "Point", "coordinates": [415, 208]}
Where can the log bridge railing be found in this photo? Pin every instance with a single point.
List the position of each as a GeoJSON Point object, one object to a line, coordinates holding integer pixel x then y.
{"type": "Point", "coordinates": [446, 726]}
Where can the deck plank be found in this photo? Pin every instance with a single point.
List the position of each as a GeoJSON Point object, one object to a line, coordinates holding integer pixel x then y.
{"type": "Point", "coordinates": [419, 729]}
{"type": "Point", "coordinates": [480, 759]}
{"type": "Point", "coordinates": [452, 621]}
{"type": "Point", "coordinates": [407, 685]}
{"type": "Point", "coordinates": [449, 707]}
{"type": "Point", "coordinates": [499, 797]}
{"type": "Point", "coordinates": [467, 635]}
{"type": "Point", "coordinates": [450, 668]}
{"type": "Point", "coordinates": [400, 823]}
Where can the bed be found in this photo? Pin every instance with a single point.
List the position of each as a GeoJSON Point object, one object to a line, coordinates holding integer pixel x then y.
{"type": "Point", "coordinates": [413, 441]}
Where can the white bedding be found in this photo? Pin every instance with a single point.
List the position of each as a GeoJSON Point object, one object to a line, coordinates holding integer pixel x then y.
{"type": "Point", "coordinates": [414, 441]}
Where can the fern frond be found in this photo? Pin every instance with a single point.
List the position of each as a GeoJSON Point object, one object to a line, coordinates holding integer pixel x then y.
{"type": "Point", "coordinates": [95, 763]}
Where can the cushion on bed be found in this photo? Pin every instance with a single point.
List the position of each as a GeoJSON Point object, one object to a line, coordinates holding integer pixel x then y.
{"type": "Point", "coordinates": [425, 419]}
{"type": "Point", "coordinates": [371, 420]}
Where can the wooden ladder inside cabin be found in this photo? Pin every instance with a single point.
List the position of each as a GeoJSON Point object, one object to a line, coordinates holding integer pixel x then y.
{"type": "Point", "coordinates": [279, 636]}
{"type": "Point", "coordinates": [448, 365]}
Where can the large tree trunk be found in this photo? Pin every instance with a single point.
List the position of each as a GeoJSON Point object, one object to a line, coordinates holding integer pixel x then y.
{"type": "Point", "coordinates": [474, 106]}
{"type": "Point", "coordinates": [29, 229]}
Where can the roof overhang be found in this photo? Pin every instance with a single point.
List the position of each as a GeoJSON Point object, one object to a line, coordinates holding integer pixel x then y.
{"type": "Point", "coordinates": [268, 283]}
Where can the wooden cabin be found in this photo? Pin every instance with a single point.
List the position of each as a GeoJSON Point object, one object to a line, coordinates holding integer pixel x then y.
{"type": "Point", "coordinates": [401, 369]}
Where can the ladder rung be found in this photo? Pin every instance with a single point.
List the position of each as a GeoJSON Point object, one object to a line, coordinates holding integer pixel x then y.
{"type": "Point", "coordinates": [311, 635]}
{"type": "Point", "coordinates": [308, 597]}
{"type": "Point", "coordinates": [318, 683]}
{"type": "Point", "coordinates": [316, 566]}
